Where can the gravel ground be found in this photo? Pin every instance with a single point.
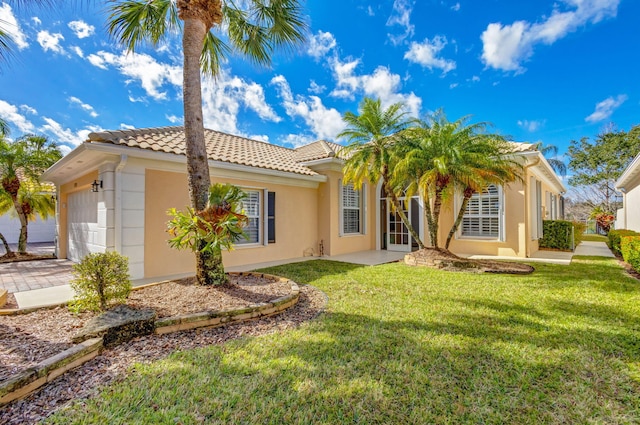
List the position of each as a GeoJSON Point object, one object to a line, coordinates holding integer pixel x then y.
{"type": "Point", "coordinates": [38, 342]}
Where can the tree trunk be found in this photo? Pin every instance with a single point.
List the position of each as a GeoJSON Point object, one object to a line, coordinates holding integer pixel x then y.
{"type": "Point", "coordinates": [468, 192]}
{"type": "Point", "coordinates": [22, 239]}
{"type": "Point", "coordinates": [9, 253]}
{"type": "Point", "coordinates": [396, 204]}
{"type": "Point", "coordinates": [197, 161]}
{"type": "Point", "coordinates": [434, 225]}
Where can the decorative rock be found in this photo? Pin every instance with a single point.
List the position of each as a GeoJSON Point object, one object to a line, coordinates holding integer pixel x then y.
{"type": "Point", "coordinates": [3, 297]}
{"type": "Point", "coordinates": [120, 324]}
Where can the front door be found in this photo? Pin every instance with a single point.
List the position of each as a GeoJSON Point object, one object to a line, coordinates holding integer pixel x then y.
{"type": "Point", "coordinates": [398, 237]}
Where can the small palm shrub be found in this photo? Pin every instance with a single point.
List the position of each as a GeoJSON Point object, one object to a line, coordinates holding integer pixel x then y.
{"type": "Point", "coordinates": [630, 248]}
{"type": "Point", "coordinates": [217, 227]}
{"type": "Point", "coordinates": [101, 280]}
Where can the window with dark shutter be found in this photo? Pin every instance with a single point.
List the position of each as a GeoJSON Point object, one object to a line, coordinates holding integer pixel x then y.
{"type": "Point", "coordinates": [271, 217]}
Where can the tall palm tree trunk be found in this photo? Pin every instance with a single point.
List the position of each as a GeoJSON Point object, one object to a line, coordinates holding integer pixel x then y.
{"type": "Point", "coordinates": [396, 204]}
{"type": "Point", "coordinates": [435, 219]}
{"type": "Point", "coordinates": [209, 268]}
{"type": "Point", "coordinates": [12, 186]}
{"type": "Point", "coordinates": [468, 192]}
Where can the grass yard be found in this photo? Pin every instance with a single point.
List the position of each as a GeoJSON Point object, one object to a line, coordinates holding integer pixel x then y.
{"type": "Point", "coordinates": [595, 238]}
{"type": "Point", "coordinates": [402, 345]}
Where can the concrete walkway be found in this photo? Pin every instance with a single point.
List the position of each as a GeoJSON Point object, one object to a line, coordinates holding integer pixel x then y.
{"type": "Point", "coordinates": [596, 249]}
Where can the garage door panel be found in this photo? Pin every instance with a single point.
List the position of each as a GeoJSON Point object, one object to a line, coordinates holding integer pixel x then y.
{"type": "Point", "coordinates": [82, 225]}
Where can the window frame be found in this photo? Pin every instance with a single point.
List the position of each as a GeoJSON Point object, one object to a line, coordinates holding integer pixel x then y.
{"type": "Point", "coordinates": [259, 219]}
{"type": "Point", "coordinates": [361, 209]}
{"type": "Point", "coordinates": [500, 237]}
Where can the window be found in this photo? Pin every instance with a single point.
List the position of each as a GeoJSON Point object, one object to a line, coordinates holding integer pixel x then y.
{"type": "Point", "coordinates": [483, 216]}
{"type": "Point", "coordinates": [251, 208]}
{"type": "Point", "coordinates": [351, 203]}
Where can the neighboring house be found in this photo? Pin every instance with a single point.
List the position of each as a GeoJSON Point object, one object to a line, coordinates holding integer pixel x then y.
{"type": "Point", "coordinates": [628, 217]}
{"type": "Point", "coordinates": [297, 202]}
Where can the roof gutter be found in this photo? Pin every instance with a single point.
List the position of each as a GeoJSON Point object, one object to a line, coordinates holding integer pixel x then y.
{"type": "Point", "coordinates": [629, 173]}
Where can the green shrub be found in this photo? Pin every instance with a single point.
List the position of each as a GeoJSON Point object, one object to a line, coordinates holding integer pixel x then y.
{"type": "Point", "coordinates": [557, 234]}
{"type": "Point", "coordinates": [615, 236]}
{"type": "Point", "coordinates": [100, 281]}
{"type": "Point", "coordinates": [630, 248]}
{"type": "Point", "coordinates": [578, 232]}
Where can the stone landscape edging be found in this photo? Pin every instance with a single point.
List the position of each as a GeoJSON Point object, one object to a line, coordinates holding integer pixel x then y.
{"type": "Point", "coordinates": [28, 381]}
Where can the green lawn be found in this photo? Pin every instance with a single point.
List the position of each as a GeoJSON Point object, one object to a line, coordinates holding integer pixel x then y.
{"type": "Point", "coordinates": [594, 238]}
{"type": "Point", "coordinates": [402, 345]}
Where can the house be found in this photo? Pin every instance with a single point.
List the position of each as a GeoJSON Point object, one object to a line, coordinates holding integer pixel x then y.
{"type": "Point", "coordinates": [114, 191]}
{"type": "Point", "coordinates": [628, 217]}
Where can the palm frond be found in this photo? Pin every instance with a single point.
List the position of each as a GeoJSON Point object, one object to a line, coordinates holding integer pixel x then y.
{"type": "Point", "coordinates": [133, 23]}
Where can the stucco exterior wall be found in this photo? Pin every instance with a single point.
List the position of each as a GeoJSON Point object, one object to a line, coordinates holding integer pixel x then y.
{"type": "Point", "coordinates": [512, 242]}
{"type": "Point", "coordinates": [296, 221]}
{"type": "Point", "coordinates": [632, 209]}
{"type": "Point", "coordinates": [329, 231]}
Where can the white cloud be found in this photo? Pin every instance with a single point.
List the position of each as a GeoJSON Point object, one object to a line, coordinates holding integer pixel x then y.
{"type": "Point", "coordinates": [297, 140]}
{"type": "Point", "coordinates": [605, 108]}
{"type": "Point", "coordinates": [10, 114]}
{"type": "Point", "coordinates": [28, 109]}
{"type": "Point", "coordinates": [426, 54]}
{"type": "Point", "coordinates": [320, 44]}
{"type": "Point", "coordinates": [380, 84]}
{"type": "Point", "coordinates": [174, 119]}
{"type": "Point", "coordinates": [505, 47]}
{"type": "Point", "coordinates": [36, 20]}
{"type": "Point", "coordinates": [81, 29]}
{"type": "Point", "coordinates": [531, 126]}
{"type": "Point", "coordinates": [124, 126]}
{"type": "Point", "coordinates": [224, 97]}
{"type": "Point", "coordinates": [50, 41]}
{"type": "Point", "coordinates": [151, 74]}
{"type": "Point", "coordinates": [401, 16]}
{"type": "Point", "coordinates": [316, 88]}
{"type": "Point", "coordinates": [475, 79]}
{"type": "Point", "coordinates": [78, 51]}
{"type": "Point", "coordinates": [66, 135]}
{"type": "Point", "coordinates": [455, 7]}
{"type": "Point", "coordinates": [324, 123]}
{"type": "Point", "coordinates": [85, 106]}
{"type": "Point", "coordinates": [453, 85]}
{"type": "Point", "coordinates": [9, 25]}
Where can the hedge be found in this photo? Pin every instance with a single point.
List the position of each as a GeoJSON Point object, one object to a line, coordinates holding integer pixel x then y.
{"type": "Point", "coordinates": [630, 248]}
{"type": "Point", "coordinates": [557, 234]}
{"type": "Point", "coordinates": [615, 236]}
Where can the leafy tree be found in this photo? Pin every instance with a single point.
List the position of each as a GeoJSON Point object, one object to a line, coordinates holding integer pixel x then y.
{"type": "Point", "coordinates": [439, 155]}
{"type": "Point", "coordinates": [212, 229]}
{"type": "Point", "coordinates": [22, 162]}
{"type": "Point", "coordinates": [252, 28]}
{"type": "Point", "coordinates": [600, 163]}
{"type": "Point", "coordinates": [372, 137]}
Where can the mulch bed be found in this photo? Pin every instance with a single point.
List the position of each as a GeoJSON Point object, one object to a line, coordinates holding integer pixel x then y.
{"type": "Point", "coordinates": [15, 257]}
{"type": "Point", "coordinates": [446, 260]}
{"type": "Point", "coordinates": [27, 339]}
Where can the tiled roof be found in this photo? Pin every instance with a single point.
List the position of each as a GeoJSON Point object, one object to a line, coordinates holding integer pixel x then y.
{"type": "Point", "coordinates": [222, 147]}
{"type": "Point", "coordinates": [318, 150]}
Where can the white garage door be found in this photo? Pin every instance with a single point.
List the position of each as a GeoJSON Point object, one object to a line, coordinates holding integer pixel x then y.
{"type": "Point", "coordinates": [82, 224]}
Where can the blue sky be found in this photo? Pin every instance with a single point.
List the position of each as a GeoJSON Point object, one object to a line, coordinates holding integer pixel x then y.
{"type": "Point", "coordinates": [549, 71]}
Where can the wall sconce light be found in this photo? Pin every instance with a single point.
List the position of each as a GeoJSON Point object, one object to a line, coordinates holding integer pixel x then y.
{"type": "Point", "coordinates": [97, 184]}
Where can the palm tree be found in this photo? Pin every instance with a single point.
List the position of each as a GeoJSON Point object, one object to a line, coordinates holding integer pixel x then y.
{"type": "Point", "coordinates": [5, 38]}
{"type": "Point", "coordinates": [372, 136]}
{"type": "Point", "coordinates": [217, 226]}
{"type": "Point", "coordinates": [253, 28]}
{"type": "Point", "coordinates": [551, 151]}
{"type": "Point", "coordinates": [438, 154]}
{"type": "Point", "coordinates": [36, 201]}
{"type": "Point", "coordinates": [21, 161]}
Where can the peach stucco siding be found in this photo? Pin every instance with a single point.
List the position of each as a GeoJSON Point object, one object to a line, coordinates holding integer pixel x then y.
{"type": "Point", "coordinates": [296, 224]}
